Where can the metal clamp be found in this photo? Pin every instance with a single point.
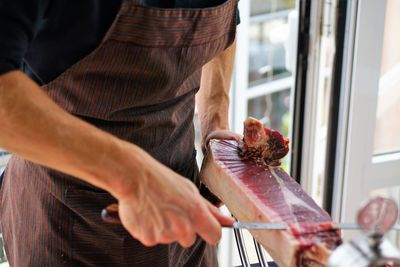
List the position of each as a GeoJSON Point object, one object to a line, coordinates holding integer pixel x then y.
{"type": "Point", "coordinates": [244, 258]}
{"type": "Point", "coordinates": [260, 254]}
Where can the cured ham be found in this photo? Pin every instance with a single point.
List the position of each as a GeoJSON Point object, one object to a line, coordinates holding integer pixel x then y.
{"type": "Point", "coordinates": [263, 144]}
{"type": "Point", "coordinates": [254, 191]}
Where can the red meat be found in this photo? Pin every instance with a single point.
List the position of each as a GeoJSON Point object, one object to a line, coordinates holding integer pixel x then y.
{"type": "Point", "coordinates": [263, 144]}
{"type": "Point", "coordinates": [254, 191]}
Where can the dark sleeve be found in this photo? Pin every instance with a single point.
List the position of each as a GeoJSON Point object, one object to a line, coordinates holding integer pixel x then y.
{"type": "Point", "coordinates": [19, 22]}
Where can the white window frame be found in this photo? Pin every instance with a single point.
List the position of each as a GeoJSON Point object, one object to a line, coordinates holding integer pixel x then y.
{"type": "Point", "coordinates": [241, 93]}
{"type": "Point", "coordinates": [358, 171]}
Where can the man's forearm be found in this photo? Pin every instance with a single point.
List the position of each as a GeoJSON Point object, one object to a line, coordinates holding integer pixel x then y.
{"type": "Point", "coordinates": [34, 127]}
{"type": "Point", "coordinates": [213, 97]}
{"type": "Point", "coordinates": [156, 205]}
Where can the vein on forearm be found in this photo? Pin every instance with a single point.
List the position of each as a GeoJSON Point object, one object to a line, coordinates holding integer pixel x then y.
{"type": "Point", "coordinates": [213, 97]}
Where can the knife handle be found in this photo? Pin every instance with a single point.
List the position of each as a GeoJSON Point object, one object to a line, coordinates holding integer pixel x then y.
{"type": "Point", "coordinates": [110, 214]}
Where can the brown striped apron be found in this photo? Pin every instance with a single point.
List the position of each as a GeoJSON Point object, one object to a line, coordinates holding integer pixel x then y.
{"type": "Point", "coordinates": [139, 85]}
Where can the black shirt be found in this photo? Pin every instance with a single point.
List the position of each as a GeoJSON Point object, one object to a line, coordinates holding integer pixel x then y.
{"type": "Point", "coordinates": [45, 37]}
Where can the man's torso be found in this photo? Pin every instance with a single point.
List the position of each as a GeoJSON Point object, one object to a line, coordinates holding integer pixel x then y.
{"type": "Point", "coordinates": [47, 37]}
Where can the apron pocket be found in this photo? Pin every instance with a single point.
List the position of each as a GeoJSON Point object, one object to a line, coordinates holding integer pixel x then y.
{"type": "Point", "coordinates": [94, 242]}
{"type": "Point", "coordinates": [97, 243]}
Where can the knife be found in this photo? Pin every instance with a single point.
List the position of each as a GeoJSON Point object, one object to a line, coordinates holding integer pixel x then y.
{"type": "Point", "coordinates": [110, 214]}
{"type": "Point", "coordinates": [284, 226]}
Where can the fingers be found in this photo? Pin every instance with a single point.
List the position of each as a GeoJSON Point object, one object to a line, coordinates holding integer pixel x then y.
{"type": "Point", "coordinates": [185, 215]}
{"type": "Point", "coordinates": [220, 134]}
{"type": "Point", "coordinates": [146, 235]}
{"type": "Point", "coordinates": [224, 134]}
{"type": "Point", "coordinates": [206, 223]}
{"type": "Point", "coordinates": [182, 233]}
{"type": "Point", "coordinates": [222, 219]}
{"type": "Point", "coordinates": [207, 226]}
{"type": "Point", "coordinates": [174, 227]}
{"type": "Point", "coordinates": [149, 240]}
{"type": "Point", "coordinates": [186, 236]}
{"type": "Point", "coordinates": [209, 221]}
{"type": "Point", "coordinates": [188, 241]}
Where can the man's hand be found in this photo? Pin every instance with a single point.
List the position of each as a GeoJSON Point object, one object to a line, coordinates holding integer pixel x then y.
{"type": "Point", "coordinates": [223, 135]}
{"type": "Point", "coordinates": [220, 134]}
{"type": "Point", "coordinates": [165, 207]}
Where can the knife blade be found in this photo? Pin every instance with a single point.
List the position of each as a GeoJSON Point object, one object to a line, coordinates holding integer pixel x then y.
{"type": "Point", "coordinates": [284, 226]}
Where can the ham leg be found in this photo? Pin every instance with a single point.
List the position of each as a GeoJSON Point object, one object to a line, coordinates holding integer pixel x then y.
{"type": "Point", "coordinates": [256, 192]}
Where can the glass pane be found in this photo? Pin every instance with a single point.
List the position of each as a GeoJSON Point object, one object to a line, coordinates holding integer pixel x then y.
{"type": "Point", "coordinates": [274, 111]}
{"type": "Point", "coordinates": [259, 7]}
{"type": "Point", "coordinates": [267, 58]}
{"type": "Point", "coordinates": [387, 131]}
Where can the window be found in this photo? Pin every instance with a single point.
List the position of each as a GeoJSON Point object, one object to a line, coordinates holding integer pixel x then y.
{"type": "Point", "coordinates": [264, 78]}
{"type": "Point", "coordinates": [387, 128]}
{"type": "Point", "coordinates": [263, 83]}
{"type": "Point", "coordinates": [369, 161]}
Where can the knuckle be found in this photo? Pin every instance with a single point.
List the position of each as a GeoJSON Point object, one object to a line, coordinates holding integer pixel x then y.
{"type": "Point", "coordinates": [166, 239]}
{"type": "Point", "coordinates": [148, 242]}
{"type": "Point", "coordinates": [192, 240]}
{"type": "Point", "coordinates": [201, 214]}
{"type": "Point", "coordinates": [199, 208]}
{"type": "Point", "coordinates": [182, 231]}
{"type": "Point", "coordinates": [148, 239]}
{"type": "Point", "coordinates": [188, 241]}
{"type": "Point", "coordinates": [168, 236]}
{"type": "Point", "coordinates": [216, 237]}
{"type": "Point", "coordinates": [192, 187]}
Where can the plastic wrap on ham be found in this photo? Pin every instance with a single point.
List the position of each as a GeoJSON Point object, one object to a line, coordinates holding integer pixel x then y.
{"type": "Point", "coordinates": [254, 191]}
